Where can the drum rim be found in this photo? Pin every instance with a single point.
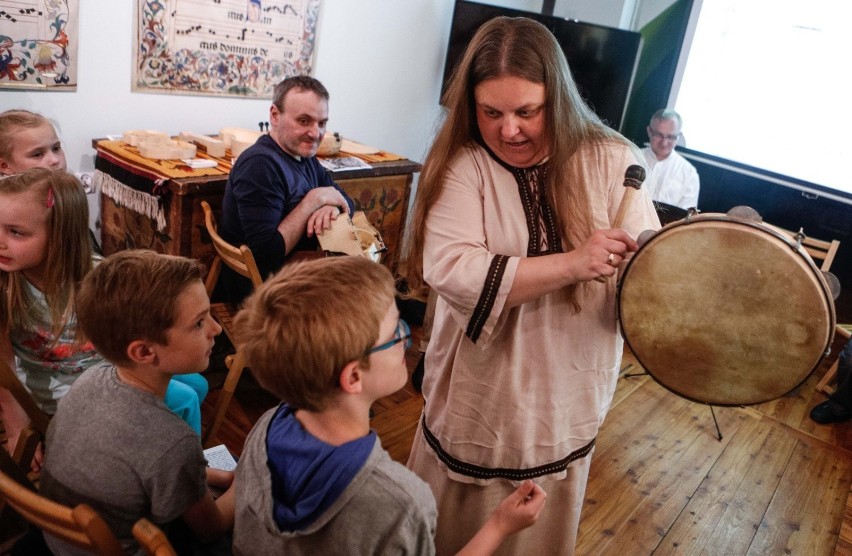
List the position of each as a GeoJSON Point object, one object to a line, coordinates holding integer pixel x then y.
{"type": "Point", "coordinates": [763, 227]}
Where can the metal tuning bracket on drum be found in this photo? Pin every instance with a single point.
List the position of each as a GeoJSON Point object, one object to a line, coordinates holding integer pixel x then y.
{"type": "Point", "coordinates": [800, 237]}
{"type": "Point", "coordinates": [692, 211]}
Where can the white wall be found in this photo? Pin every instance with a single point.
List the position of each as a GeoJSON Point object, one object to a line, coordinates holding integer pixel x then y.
{"type": "Point", "coordinates": [381, 60]}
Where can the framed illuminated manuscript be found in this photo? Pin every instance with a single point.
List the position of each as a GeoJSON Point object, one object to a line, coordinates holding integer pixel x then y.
{"type": "Point", "coordinates": [222, 47]}
{"type": "Point", "coordinates": [38, 44]}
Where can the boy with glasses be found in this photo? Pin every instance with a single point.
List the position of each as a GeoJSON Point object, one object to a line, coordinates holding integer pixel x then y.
{"type": "Point", "coordinates": [326, 338]}
{"type": "Point", "coordinates": [671, 178]}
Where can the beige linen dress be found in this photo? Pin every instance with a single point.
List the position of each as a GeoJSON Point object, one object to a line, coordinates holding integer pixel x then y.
{"type": "Point", "coordinates": [514, 393]}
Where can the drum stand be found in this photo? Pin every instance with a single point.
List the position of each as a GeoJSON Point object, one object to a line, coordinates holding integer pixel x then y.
{"type": "Point", "coordinates": [645, 373]}
{"type": "Point", "coordinates": [715, 422]}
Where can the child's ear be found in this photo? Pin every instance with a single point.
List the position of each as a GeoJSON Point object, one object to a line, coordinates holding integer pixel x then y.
{"type": "Point", "coordinates": [5, 169]}
{"type": "Point", "coordinates": [351, 378]}
{"type": "Point", "coordinates": [139, 351]}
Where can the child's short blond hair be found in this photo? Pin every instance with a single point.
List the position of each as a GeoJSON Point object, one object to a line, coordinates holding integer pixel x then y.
{"type": "Point", "coordinates": [13, 120]}
{"type": "Point", "coordinates": [132, 296]}
{"type": "Point", "coordinates": [301, 327]}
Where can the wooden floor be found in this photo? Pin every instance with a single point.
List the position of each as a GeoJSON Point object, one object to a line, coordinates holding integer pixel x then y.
{"type": "Point", "coordinates": [661, 482]}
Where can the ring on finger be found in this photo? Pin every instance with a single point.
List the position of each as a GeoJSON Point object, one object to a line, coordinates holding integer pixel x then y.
{"type": "Point", "coordinates": [611, 258]}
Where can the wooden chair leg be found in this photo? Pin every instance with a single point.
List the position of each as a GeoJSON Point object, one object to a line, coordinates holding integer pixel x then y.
{"type": "Point", "coordinates": [152, 539]}
{"type": "Point", "coordinates": [26, 447]}
{"type": "Point", "coordinates": [10, 466]}
{"type": "Point", "coordinates": [841, 336]}
{"type": "Point", "coordinates": [102, 537]}
{"type": "Point", "coordinates": [235, 371]}
{"type": "Point", "coordinates": [824, 384]}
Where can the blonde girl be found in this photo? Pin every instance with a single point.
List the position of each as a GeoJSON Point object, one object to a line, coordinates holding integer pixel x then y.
{"type": "Point", "coordinates": [29, 140]}
{"type": "Point", "coordinates": [41, 208]}
{"type": "Point", "coordinates": [44, 254]}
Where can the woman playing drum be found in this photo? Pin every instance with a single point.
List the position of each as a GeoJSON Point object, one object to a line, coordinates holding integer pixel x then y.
{"type": "Point", "coordinates": [512, 225]}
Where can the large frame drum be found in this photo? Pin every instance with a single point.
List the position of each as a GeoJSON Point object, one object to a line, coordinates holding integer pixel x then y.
{"type": "Point", "coordinates": [725, 310]}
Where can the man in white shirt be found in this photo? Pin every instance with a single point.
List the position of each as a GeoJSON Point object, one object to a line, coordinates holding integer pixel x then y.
{"type": "Point", "coordinates": [671, 179]}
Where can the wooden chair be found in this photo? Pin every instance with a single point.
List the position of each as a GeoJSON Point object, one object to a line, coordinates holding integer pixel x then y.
{"type": "Point", "coordinates": [152, 539]}
{"type": "Point", "coordinates": [35, 432]}
{"type": "Point", "coordinates": [241, 260]}
{"type": "Point", "coordinates": [841, 335]}
{"type": "Point", "coordinates": [80, 526]}
{"type": "Point", "coordinates": [821, 251]}
{"type": "Point", "coordinates": [17, 472]}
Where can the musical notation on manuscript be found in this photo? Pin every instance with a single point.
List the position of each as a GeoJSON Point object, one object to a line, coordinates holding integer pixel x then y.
{"type": "Point", "coordinates": [237, 47]}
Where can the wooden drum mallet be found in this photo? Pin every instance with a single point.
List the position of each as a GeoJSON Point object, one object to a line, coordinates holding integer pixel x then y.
{"type": "Point", "coordinates": [633, 179]}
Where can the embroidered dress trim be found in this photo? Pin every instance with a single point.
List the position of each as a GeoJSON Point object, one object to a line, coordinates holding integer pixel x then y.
{"type": "Point", "coordinates": [480, 472]}
{"type": "Point", "coordinates": [487, 297]}
{"type": "Point", "coordinates": [541, 222]}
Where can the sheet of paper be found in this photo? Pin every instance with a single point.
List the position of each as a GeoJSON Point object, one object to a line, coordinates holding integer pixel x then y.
{"type": "Point", "coordinates": [343, 163]}
{"type": "Point", "coordinates": [218, 457]}
{"type": "Point", "coordinates": [200, 162]}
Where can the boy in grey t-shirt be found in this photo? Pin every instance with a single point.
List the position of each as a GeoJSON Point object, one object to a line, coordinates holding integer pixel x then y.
{"type": "Point", "coordinates": [113, 443]}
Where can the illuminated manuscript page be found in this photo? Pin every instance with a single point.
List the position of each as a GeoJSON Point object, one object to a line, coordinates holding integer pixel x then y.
{"type": "Point", "coordinates": [222, 47]}
{"type": "Point", "coordinates": [38, 44]}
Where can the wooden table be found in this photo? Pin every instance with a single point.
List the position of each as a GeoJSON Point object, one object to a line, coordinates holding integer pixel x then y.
{"type": "Point", "coordinates": [382, 192]}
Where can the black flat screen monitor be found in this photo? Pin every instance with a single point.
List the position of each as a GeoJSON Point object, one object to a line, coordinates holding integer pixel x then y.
{"type": "Point", "coordinates": [602, 59]}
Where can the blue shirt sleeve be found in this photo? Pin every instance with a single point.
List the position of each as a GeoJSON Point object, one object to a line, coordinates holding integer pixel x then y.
{"type": "Point", "coordinates": [260, 197]}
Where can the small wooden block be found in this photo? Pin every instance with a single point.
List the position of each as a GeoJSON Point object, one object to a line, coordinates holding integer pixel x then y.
{"type": "Point", "coordinates": [134, 137]}
{"type": "Point", "coordinates": [168, 149]}
{"type": "Point", "coordinates": [213, 147]}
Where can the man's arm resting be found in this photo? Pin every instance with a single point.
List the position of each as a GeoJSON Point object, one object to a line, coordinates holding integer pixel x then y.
{"type": "Point", "coordinates": [295, 224]}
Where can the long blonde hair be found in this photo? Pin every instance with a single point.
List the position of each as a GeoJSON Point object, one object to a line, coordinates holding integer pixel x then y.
{"type": "Point", "coordinates": [522, 48]}
{"type": "Point", "coordinates": [69, 249]}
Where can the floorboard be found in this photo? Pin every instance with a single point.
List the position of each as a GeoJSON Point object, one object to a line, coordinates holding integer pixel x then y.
{"type": "Point", "coordinates": [661, 482]}
{"type": "Point", "coordinates": [805, 513]}
{"type": "Point", "coordinates": [729, 504]}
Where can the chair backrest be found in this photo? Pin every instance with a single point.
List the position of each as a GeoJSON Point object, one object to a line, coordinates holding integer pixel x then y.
{"type": "Point", "coordinates": [821, 251]}
{"type": "Point", "coordinates": [37, 429]}
{"type": "Point", "coordinates": [239, 259]}
{"type": "Point", "coordinates": [80, 526]}
{"type": "Point", "coordinates": [152, 539]}
{"type": "Point", "coordinates": [9, 380]}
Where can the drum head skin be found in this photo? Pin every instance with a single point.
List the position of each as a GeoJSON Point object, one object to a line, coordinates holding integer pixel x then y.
{"type": "Point", "coordinates": [725, 312]}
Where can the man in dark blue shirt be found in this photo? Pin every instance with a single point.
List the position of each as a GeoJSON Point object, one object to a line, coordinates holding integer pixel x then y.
{"type": "Point", "coordinates": [278, 197]}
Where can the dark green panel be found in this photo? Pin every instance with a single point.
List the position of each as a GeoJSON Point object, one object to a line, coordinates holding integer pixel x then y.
{"type": "Point", "coordinates": [661, 43]}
